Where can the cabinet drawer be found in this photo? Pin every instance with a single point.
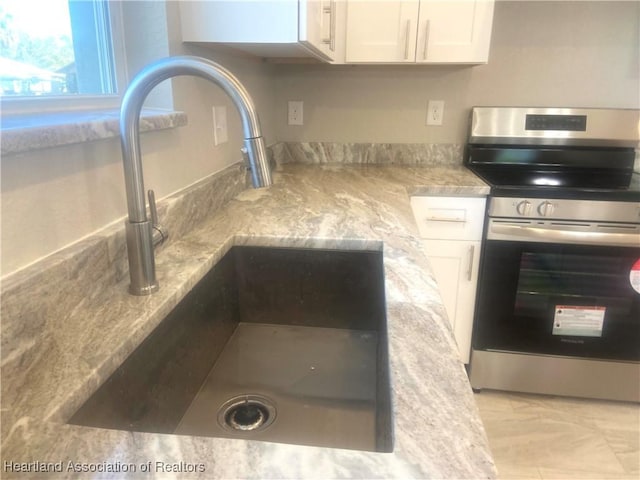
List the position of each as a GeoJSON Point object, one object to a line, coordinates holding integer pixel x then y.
{"type": "Point", "coordinates": [449, 218]}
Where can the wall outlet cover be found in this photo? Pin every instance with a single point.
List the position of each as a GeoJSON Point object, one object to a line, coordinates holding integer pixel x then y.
{"type": "Point", "coordinates": [220, 131]}
{"type": "Point", "coordinates": [295, 112]}
{"type": "Point", "coordinates": [435, 112]}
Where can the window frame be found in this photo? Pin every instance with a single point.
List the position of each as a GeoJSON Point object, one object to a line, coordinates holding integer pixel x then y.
{"type": "Point", "coordinates": [26, 105]}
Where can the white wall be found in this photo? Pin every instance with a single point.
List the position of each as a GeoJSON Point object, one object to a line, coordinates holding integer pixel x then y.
{"type": "Point", "coordinates": [580, 54]}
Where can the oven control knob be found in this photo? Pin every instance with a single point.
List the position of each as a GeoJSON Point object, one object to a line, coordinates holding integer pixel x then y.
{"type": "Point", "coordinates": [524, 208]}
{"type": "Point", "coordinates": [546, 208]}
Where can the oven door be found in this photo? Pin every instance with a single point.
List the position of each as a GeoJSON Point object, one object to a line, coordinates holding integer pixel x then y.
{"type": "Point", "coordinates": [545, 296]}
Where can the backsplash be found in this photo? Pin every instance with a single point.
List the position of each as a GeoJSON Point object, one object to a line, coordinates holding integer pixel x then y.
{"type": "Point", "coordinates": [414, 154]}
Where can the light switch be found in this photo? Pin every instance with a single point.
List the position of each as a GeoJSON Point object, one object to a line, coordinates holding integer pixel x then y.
{"type": "Point", "coordinates": [220, 133]}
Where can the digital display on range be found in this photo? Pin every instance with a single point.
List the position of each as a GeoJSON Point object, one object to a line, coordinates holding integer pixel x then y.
{"type": "Point", "coordinates": [570, 123]}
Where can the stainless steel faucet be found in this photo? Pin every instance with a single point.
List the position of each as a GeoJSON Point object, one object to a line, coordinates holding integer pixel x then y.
{"type": "Point", "coordinates": [141, 232]}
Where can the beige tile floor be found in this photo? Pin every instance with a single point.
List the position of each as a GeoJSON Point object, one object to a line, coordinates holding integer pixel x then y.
{"type": "Point", "coordinates": [545, 437]}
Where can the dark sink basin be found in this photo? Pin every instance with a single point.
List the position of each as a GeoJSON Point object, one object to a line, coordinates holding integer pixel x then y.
{"type": "Point", "coordinates": [274, 344]}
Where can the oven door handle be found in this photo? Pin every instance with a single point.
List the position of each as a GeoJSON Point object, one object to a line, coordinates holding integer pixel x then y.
{"type": "Point", "coordinates": [548, 235]}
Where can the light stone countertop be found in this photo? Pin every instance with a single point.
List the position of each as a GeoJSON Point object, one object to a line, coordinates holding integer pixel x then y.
{"type": "Point", "coordinates": [437, 430]}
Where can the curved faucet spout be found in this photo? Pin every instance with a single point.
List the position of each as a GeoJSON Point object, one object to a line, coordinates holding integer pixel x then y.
{"type": "Point", "coordinates": [139, 228]}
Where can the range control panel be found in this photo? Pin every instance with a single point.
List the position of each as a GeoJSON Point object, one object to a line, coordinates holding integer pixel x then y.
{"type": "Point", "coordinates": [544, 209]}
{"type": "Point", "coordinates": [569, 123]}
{"type": "Point", "coordinates": [592, 127]}
{"type": "Point", "coordinates": [564, 209]}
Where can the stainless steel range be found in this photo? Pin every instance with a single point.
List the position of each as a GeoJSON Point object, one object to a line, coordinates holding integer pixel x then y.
{"type": "Point", "coordinates": [558, 302]}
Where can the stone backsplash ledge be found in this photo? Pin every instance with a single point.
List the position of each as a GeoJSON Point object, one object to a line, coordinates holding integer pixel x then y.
{"type": "Point", "coordinates": [64, 280]}
{"type": "Point", "coordinates": [414, 154]}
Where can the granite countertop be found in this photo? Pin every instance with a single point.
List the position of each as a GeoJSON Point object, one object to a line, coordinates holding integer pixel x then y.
{"type": "Point", "coordinates": [438, 433]}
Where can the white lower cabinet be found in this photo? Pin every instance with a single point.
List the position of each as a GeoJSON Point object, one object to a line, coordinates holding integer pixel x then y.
{"type": "Point", "coordinates": [455, 266]}
{"type": "Point", "coordinates": [451, 228]}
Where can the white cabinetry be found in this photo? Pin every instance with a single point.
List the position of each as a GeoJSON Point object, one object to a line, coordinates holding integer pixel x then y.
{"type": "Point", "coordinates": [418, 31]}
{"type": "Point", "coordinates": [280, 28]}
{"type": "Point", "coordinates": [379, 32]}
{"type": "Point", "coordinates": [451, 228]}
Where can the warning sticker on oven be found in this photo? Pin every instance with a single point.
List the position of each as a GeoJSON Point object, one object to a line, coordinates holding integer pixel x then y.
{"type": "Point", "coordinates": [634, 276]}
{"type": "Point", "coordinates": [583, 321]}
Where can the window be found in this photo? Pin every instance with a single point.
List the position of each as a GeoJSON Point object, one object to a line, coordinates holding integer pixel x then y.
{"type": "Point", "coordinates": [56, 49]}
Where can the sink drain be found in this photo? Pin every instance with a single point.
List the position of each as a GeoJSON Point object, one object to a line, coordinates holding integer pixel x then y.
{"type": "Point", "coordinates": [247, 413]}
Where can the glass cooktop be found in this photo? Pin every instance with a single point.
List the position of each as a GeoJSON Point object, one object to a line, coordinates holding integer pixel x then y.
{"type": "Point", "coordinates": [592, 173]}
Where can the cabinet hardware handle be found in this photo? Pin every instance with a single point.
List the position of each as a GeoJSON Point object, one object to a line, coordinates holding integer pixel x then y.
{"type": "Point", "coordinates": [332, 26]}
{"type": "Point", "coordinates": [427, 30]}
{"type": "Point", "coordinates": [325, 11]}
{"type": "Point", "coordinates": [446, 219]}
{"type": "Point", "coordinates": [331, 10]}
{"type": "Point", "coordinates": [406, 40]}
{"type": "Point", "coordinates": [472, 249]}
{"type": "Point", "coordinates": [547, 235]}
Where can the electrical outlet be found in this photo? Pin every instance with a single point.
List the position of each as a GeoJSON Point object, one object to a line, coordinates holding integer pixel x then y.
{"type": "Point", "coordinates": [435, 112]}
{"type": "Point", "coordinates": [220, 133]}
{"type": "Point", "coordinates": [295, 113]}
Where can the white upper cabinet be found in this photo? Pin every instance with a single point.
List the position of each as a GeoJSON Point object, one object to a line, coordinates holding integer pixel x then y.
{"type": "Point", "coordinates": [381, 32]}
{"type": "Point", "coordinates": [317, 27]}
{"type": "Point", "coordinates": [352, 31]}
{"type": "Point", "coordinates": [268, 28]}
{"type": "Point", "coordinates": [418, 31]}
{"type": "Point", "coordinates": [454, 31]}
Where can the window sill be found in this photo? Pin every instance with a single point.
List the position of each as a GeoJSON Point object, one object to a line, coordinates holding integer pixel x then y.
{"type": "Point", "coordinates": [23, 133]}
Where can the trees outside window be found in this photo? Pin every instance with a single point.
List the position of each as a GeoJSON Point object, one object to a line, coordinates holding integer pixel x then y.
{"type": "Point", "coordinates": [55, 47]}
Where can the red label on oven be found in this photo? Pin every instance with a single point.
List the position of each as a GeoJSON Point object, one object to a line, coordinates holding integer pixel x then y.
{"type": "Point", "coordinates": [634, 276]}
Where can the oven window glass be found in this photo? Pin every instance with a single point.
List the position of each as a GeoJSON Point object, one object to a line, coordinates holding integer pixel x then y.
{"type": "Point", "coordinates": [558, 299]}
{"type": "Point", "coordinates": [550, 281]}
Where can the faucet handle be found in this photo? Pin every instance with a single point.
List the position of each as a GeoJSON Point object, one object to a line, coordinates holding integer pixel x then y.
{"type": "Point", "coordinates": [160, 234]}
{"type": "Point", "coordinates": [245, 157]}
{"type": "Point", "coordinates": [152, 207]}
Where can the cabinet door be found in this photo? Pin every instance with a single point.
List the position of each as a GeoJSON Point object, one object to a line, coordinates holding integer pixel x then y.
{"type": "Point", "coordinates": [317, 28]}
{"type": "Point", "coordinates": [233, 22]}
{"type": "Point", "coordinates": [455, 265]}
{"type": "Point", "coordinates": [381, 31]}
{"type": "Point", "coordinates": [454, 31]}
